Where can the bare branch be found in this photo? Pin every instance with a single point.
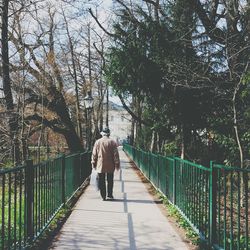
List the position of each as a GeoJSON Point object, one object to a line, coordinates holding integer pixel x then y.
{"type": "Point", "coordinates": [53, 124]}
{"type": "Point", "coordinates": [131, 112]}
{"type": "Point", "coordinates": [214, 32]}
{"type": "Point", "coordinates": [99, 24]}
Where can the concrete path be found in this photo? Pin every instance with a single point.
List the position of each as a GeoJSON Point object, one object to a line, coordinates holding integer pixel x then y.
{"type": "Point", "coordinates": [132, 221]}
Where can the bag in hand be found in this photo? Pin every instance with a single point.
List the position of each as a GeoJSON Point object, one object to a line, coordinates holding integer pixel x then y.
{"type": "Point", "coordinates": [94, 179]}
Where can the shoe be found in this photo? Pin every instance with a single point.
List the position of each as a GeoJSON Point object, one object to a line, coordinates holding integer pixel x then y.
{"type": "Point", "coordinates": [110, 196]}
{"type": "Point", "coordinates": [104, 199]}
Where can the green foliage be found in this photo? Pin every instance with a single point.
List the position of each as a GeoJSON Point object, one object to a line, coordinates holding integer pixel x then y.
{"type": "Point", "coordinates": [229, 147]}
{"type": "Point", "coordinates": [147, 62]}
{"type": "Point", "coordinates": [181, 221]}
{"type": "Point", "coordinates": [45, 239]}
{"type": "Point", "coordinates": [180, 76]}
{"type": "Point", "coordinates": [170, 148]}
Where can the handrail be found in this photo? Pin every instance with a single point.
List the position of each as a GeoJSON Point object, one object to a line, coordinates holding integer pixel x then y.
{"type": "Point", "coordinates": [214, 200]}
{"type": "Point", "coordinates": [31, 195]}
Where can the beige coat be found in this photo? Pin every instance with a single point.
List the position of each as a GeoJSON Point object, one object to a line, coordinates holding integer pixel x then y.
{"type": "Point", "coordinates": [105, 156]}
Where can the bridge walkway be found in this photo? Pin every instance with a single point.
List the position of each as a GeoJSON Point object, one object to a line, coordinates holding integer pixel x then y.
{"type": "Point", "coordinates": [131, 221]}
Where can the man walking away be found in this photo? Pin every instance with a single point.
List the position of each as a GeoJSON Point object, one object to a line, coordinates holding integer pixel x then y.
{"type": "Point", "coordinates": [105, 159]}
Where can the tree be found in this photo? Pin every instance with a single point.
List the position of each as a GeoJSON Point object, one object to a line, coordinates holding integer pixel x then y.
{"type": "Point", "coordinates": [227, 24]}
{"type": "Point", "coordinates": [154, 69]}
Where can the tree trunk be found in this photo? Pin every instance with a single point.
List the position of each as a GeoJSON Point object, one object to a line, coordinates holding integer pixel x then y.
{"type": "Point", "coordinates": [152, 145]}
{"type": "Point", "coordinates": [235, 120]}
{"type": "Point", "coordinates": [78, 120]}
{"type": "Point", "coordinates": [13, 122]}
{"type": "Point", "coordinates": [182, 142]}
{"type": "Point", "coordinates": [59, 106]}
{"type": "Point", "coordinates": [89, 55]}
{"type": "Point", "coordinates": [107, 108]}
{"type": "Point", "coordinates": [73, 141]}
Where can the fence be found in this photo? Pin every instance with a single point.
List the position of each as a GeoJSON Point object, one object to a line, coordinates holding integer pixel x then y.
{"type": "Point", "coordinates": [31, 195]}
{"type": "Point", "coordinates": [214, 200]}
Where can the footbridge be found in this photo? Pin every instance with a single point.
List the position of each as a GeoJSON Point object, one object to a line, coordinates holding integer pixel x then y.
{"type": "Point", "coordinates": [214, 200]}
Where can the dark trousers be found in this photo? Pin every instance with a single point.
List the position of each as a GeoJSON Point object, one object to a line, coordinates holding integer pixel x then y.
{"type": "Point", "coordinates": [102, 184]}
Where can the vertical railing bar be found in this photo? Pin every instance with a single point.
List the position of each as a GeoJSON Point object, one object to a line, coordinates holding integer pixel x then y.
{"type": "Point", "coordinates": [52, 187]}
{"type": "Point", "coordinates": [15, 208]}
{"type": "Point", "coordinates": [219, 204]}
{"type": "Point", "coordinates": [20, 208]}
{"type": "Point", "coordinates": [54, 204]}
{"type": "Point", "coordinates": [179, 186]}
{"type": "Point", "coordinates": [29, 188]}
{"type": "Point", "coordinates": [207, 205]}
{"type": "Point", "coordinates": [199, 199]}
{"type": "Point", "coordinates": [3, 211]}
{"type": "Point", "coordinates": [231, 210]}
{"type": "Point", "coordinates": [212, 204]}
{"type": "Point", "coordinates": [39, 197]}
{"type": "Point", "coordinates": [47, 191]}
{"type": "Point", "coordinates": [53, 181]}
{"type": "Point", "coordinates": [9, 212]}
{"type": "Point", "coordinates": [225, 210]}
{"type": "Point", "coordinates": [57, 184]}
{"type": "Point", "coordinates": [45, 194]}
{"type": "Point", "coordinates": [187, 189]}
{"type": "Point", "coordinates": [34, 201]}
{"type": "Point", "coordinates": [42, 195]}
{"type": "Point", "coordinates": [184, 187]}
{"type": "Point", "coordinates": [63, 180]}
{"type": "Point", "coordinates": [174, 182]}
{"type": "Point", "coordinates": [192, 193]}
{"type": "Point", "coordinates": [238, 210]}
{"type": "Point", "coordinates": [203, 202]}
{"type": "Point", "coordinates": [204, 221]}
{"type": "Point", "coordinates": [196, 197]}
{"type": "Point", "coordinates": [245, 179]}
{"type": "Point", "coordinates": [58, 181]}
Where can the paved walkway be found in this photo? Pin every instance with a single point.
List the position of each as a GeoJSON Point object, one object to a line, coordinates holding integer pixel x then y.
{"type": "Point", "coordinates": [132, 221]}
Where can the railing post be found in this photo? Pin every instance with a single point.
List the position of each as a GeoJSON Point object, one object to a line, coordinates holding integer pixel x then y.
{"type": "Point", "coordinates": [149, 164]}
{"type": "Point", "coordinates": [76, 168]}
{"type": "Point", "coordinates": [63, 180]}
{"type": "Point", "coordinates": [212, 204]}
{"type": "Point", "coordinates": [80, 168]}
{"type": "Point", "coordinates": [158, 170]}
{"type": "Point", "coordinates": [174, 182]}
{"type": "Point", "coordinates": [29, 199]}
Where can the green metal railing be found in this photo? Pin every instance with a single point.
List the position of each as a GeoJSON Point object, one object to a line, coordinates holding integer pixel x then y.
{"type": "Point", "coordinates": [31, 195]}
{"type": "Point", "coordinates": [214, 200]}
{"type": "Point", "coordinates": [231, 209]}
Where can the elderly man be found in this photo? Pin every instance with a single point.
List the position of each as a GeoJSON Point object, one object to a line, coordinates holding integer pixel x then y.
{"type": "Point", "coordinates": [105, 159]}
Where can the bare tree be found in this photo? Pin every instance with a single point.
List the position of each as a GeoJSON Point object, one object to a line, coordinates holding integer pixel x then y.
{"type": "Point", "coordinates": [12, 121]}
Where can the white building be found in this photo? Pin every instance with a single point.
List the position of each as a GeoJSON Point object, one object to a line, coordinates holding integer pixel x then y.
{"type": "Point", "coordinates": [119, 122]}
